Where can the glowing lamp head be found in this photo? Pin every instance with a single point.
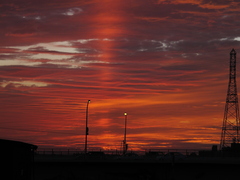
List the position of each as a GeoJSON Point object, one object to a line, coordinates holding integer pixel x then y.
{"type": "Point", "coordinates": [88, 101]}
{"type": "Point", "coordinates": [125, 114]}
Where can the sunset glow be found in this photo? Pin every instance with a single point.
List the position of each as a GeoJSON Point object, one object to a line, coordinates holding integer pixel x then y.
{"type": "Point", "coordinates": [165, 63]}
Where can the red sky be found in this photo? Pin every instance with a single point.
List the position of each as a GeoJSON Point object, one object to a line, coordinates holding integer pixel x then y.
{"type": "Point", "coordinates": [163, 62]}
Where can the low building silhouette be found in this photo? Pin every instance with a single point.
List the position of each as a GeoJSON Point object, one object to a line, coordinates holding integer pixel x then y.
{"type": "Point", "coordinates": [17, 160]}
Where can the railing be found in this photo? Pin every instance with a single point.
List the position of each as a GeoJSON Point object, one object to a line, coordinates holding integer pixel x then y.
{"type": "Point", "coordinates": [58, 152]}
{"type": "Point", "coordinates": [186, 152]}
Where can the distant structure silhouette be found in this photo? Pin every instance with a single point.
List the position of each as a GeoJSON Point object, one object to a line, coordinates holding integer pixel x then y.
{"type": "Point", "coordinates": [230, 126]}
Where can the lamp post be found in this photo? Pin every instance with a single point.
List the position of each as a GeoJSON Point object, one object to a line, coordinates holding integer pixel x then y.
{"type": "Point", "coordinates": [86, 134]}
{"type": "Point", "coordinates": [125, 145]}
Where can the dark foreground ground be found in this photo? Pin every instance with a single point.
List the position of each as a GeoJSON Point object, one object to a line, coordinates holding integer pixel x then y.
{"type": "Point", "coordinates": [188, 169]}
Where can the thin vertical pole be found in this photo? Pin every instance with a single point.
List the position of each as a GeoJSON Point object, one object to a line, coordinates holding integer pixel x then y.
{"type": "Point", "coordinates": [125, 135]}
{"type": "Point", "coordinates": [86, 134]}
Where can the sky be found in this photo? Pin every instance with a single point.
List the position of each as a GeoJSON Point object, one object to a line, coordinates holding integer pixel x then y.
{"type": "Point", "coordinates": [165, 63]}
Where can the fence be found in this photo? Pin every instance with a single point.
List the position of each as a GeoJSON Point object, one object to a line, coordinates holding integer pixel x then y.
{"type": "Point", "coordinates": [186, 152]}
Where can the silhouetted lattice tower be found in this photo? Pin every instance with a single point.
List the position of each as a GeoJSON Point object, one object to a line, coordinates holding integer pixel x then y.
{"type": "Point", "coordinates": [230, 127]}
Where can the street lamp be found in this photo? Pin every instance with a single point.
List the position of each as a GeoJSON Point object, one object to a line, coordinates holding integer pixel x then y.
{"type": "Point", "coordinates": [86, 134]}
{"type": "Point", "coordinates": [125, 145]}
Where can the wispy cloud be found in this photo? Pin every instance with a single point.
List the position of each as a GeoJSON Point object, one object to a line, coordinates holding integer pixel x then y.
{"type": "Point", "coordinates": [23, 83]}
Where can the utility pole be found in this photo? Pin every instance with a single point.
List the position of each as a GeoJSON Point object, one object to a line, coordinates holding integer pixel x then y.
{"type": "Point", "coordinates": [125, 145]}
{"type": "Point", "coordinates": [230, 126]}
{"type": "Point", "coordinates": [86, 134]}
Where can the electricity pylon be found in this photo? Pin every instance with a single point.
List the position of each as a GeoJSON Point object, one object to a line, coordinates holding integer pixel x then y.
{"type": "Point", "coordinates": [230, 127]}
